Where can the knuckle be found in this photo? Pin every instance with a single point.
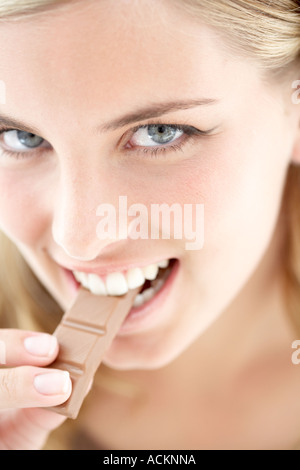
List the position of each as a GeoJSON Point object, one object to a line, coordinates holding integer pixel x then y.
{"type": "Point", "coordinates": [12, 385]}
{"type": "Point", "coordinates": [5, 382]}
{"type": "Point", "coordinates": [9, 383]}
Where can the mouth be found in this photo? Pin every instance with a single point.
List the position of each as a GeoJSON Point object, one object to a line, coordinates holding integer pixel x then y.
{"type": "Point", "coordinates": [151, 279]}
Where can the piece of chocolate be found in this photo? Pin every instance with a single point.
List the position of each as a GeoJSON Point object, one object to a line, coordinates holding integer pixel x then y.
{"type": "Point", "coordinates": [84, 335]}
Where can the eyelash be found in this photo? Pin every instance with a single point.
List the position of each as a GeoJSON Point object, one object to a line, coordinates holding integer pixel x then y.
{"type": "Point", "coordinates": [190, 133]}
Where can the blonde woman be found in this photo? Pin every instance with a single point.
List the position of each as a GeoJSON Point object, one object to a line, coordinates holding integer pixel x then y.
{"type": "Point", "coordinates": [182, 102]}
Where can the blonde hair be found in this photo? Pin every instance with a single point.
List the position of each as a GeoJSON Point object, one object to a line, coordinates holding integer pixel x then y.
{"type": "Point", "coordinates": [265, 30]}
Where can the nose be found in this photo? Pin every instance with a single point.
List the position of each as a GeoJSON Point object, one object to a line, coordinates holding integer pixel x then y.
{"type": "Point", "coordinates": [76, 213]}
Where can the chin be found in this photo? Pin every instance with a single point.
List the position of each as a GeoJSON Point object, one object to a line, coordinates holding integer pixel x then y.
{"type": "Point", "coordinates": [141, 358]}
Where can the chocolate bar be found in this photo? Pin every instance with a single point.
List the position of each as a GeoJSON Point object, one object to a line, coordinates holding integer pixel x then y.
{"type": "Point", "coordinates": [84, 335]}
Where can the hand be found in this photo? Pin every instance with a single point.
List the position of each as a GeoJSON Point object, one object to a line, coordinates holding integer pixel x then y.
{"type": "Point", "coordinates": [26, 386]}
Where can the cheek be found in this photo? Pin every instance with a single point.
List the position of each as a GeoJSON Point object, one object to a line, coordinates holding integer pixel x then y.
{"type": "Point", "coordinates": [173, 183]}
{"type": "Point", "coordinates": [23, 212]}
{"type": "Point", "coordinates": [241, 181]}
{"type": "Point", "coordinates": [246, 186]}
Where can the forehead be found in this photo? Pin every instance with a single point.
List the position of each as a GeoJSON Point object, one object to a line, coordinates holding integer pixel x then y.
{"type": "Point", "coordinates": [109, 55]}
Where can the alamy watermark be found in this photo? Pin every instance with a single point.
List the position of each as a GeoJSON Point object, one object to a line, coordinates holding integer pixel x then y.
{"type": "Point", "coordinates": [296, 354]}
{"type": "Point", "coordinates": [2, 353]}
{"type": "Point", "coordinates": [296, 94]}
{"type": "Point", "coordinates": [159, 221]}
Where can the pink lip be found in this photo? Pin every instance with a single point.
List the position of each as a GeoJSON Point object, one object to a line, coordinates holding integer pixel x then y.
{"type": "Point", "coordinates": [103, 271]}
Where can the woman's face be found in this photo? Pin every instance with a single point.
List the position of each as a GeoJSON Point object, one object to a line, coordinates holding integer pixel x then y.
{"type": "Point", "coordinates": [85, 81]}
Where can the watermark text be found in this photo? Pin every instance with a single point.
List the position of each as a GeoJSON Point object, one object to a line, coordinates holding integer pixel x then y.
{"type": "Point", "coordinates": [2, 353]}
{"type": "Point", "coordinates": [159, 221]}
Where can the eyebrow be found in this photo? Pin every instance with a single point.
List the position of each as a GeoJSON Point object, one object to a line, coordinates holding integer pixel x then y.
{"type": "Point", "coordinates": [148, 112]}
{"type": "Point", "coordinates": [6, 120]}
{"type": "Point", "coordinates": [154, 111]}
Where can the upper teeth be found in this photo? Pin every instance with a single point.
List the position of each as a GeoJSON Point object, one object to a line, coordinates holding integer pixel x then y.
{"type": "Point", "coordinates": [119, 283]}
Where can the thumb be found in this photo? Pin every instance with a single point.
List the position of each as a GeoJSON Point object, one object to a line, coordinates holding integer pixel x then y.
{"type": "Point", "coordinates": [36, 424]}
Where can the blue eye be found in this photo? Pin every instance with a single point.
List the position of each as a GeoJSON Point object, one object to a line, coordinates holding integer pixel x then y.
{"type": "Point", "coordinates": [154, 138]}
{"type": "Point", "coordinates": [156, 134]}
{"type": "Point", "coordinates": [20, 140]}
{"type": "Point", "coordinates": [161, 138]}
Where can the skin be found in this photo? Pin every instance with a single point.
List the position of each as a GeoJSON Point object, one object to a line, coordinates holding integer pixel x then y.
{"type": "Point", "coordinates": [225, 317]}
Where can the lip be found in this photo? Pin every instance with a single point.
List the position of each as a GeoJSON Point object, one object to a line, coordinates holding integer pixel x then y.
{"type": "Point", "coordinates": [103, 271]}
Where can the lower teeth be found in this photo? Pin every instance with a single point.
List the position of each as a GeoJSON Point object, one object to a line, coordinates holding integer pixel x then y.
{"type": "Point", "coordinates": [149, 293]}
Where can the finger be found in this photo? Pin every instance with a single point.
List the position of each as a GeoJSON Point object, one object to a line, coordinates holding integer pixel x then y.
{"type": "Point", "coordinates": [18, 347]}
{"type": "Point", "coordinates": [31, 387]}
{"type": "Point", "coordinates": [28, 429]}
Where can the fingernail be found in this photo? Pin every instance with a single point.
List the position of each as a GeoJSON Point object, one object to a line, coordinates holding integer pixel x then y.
{"type": "Point", "coordinates": [40, 345]}
{"type": "Point", "coordinates": [53, 383]}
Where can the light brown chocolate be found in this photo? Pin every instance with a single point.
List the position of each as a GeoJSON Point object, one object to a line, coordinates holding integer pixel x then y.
{"type": "Point", "coordinates": [84, 335]}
